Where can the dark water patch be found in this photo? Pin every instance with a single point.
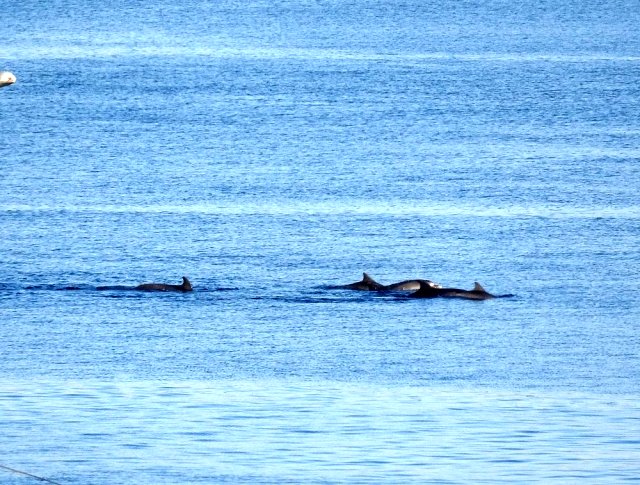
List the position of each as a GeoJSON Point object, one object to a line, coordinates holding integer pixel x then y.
{"type": "Point", "coordinates": [63, 287]}
{"type": "Point", "coordinates": [328, 298]}
{"type": "Point", "coordinates": [116, 288]}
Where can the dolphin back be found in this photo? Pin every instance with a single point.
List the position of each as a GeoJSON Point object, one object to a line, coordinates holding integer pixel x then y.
{"type": "Point", "coordinates": [367, 283]}
{"type": "Point", "coordinates": [184, 287]}
{"type": "Point", "coordinates": [477, 293]}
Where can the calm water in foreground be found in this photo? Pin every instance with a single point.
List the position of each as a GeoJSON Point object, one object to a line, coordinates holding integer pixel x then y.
{"type": "Point", "coordinates": [269, 150]}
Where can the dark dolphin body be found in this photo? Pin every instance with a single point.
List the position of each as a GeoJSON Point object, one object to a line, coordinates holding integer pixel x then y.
{"type": "Point", "coordinates": [369, 284]}
{"type": "Point", "coordinates": [184, 287]}
{"type": "Point", "coordinates": [477, 293]}
{"type": "Point", "coordinates": [411, 285]}
{"type": "Point", "coordinates": [366, 284]}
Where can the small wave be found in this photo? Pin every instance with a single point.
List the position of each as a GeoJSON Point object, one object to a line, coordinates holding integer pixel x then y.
{"type": "Point", "coordinates": [365, 208]}
{"type": "Point", "coordinates": [54, 287]}
{"type": "Point", "coordinates": [107, 49]}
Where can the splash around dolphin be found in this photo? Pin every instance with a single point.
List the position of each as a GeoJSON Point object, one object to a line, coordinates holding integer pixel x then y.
{"type": "Point", "coordinates": [477, 293]}
{"type": "Point", "coordinates": [6, 78]}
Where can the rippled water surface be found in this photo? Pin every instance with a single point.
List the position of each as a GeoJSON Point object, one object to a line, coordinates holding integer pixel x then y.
{"type": "Point", "coordinates": [295, 431]}
{"type": "Point", "coordinates": [270, 151]}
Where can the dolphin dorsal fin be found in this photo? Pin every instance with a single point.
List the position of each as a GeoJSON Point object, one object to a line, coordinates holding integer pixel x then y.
{"type": "Point", "coordinates": [371, 283]}
{"type": "Point", "coordinates": [427, 285]}
{"type": "Point", "coordinates": [478, 287]}
{"type": "Point", "coordinates": [367, 279]}
{"type": "Point", "coordinates": [186, 284]}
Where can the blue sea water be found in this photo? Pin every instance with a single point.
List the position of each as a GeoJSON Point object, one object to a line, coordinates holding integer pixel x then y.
{"type": "Point", "coordinates": [270, 150]}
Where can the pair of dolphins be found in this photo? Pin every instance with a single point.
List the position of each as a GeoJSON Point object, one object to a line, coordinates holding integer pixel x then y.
{"type": "Point", "coordinates": [421, 289]}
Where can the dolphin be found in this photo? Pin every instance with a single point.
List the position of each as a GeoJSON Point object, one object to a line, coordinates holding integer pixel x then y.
{"type": "Point", "coordinates": [369, 284]}
{"type": "Point", "coordinates": [410, 285]}
{"type": "Point", "coordinates": [477, 293]}
{"type": "Point", "coordinates": [6, 78]}
{"type": "Point", "coordinates": [366, 284]}
{"type": "Point", "coordinates": [184, 287]}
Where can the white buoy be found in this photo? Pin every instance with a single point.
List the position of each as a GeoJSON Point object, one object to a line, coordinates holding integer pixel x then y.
{"type": "Point", "coordinates": [6, 78]}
